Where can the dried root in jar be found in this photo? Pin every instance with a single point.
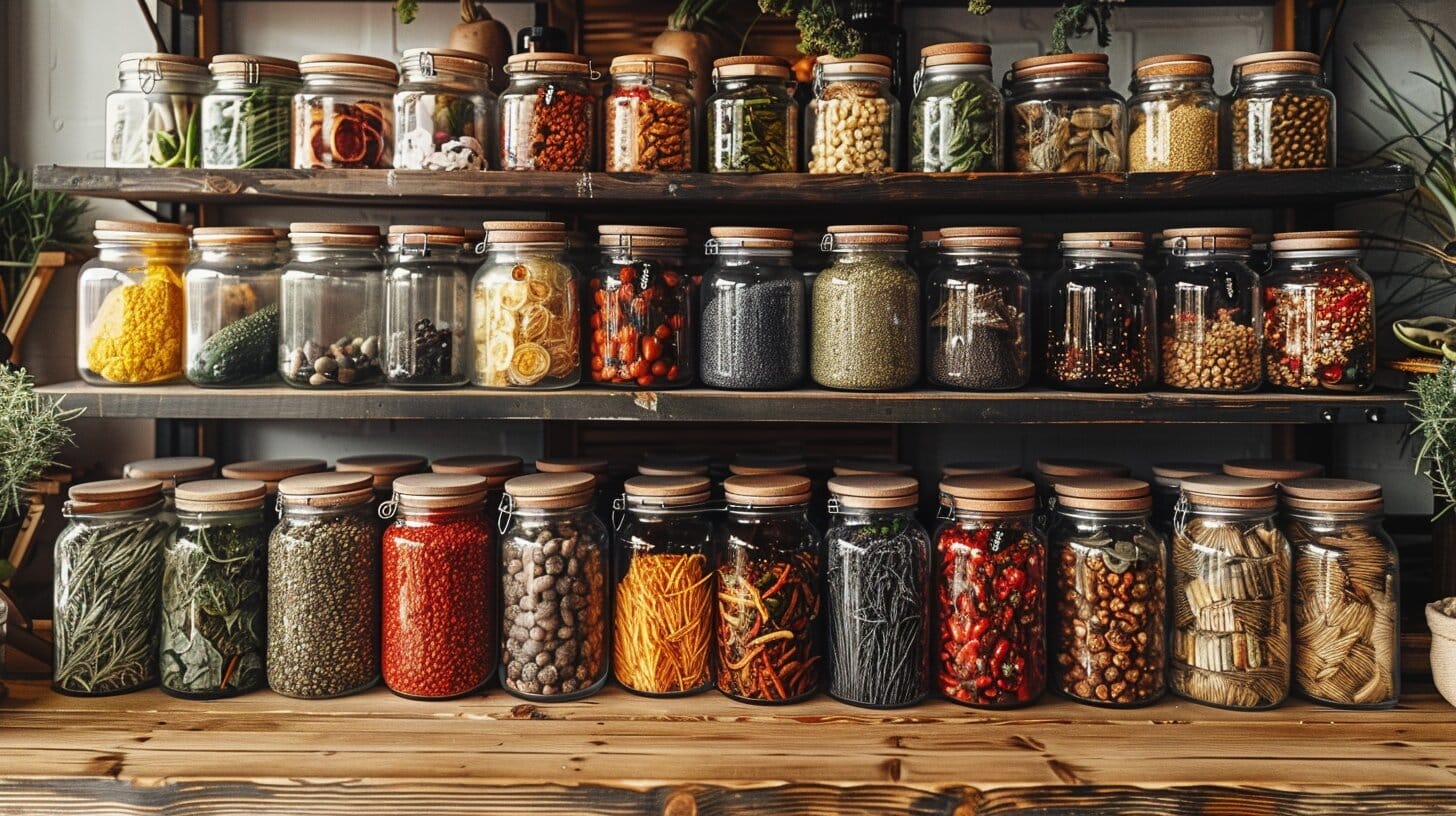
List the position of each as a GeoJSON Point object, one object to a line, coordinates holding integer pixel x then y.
{"type": "Point", "coordinates": [1055, 138]}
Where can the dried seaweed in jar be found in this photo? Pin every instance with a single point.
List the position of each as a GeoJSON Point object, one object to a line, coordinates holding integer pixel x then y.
{"type": "Point", "coordinates": [213, 613]}
{"type": "Point", "coordinates": [768, 612]}
{"type": "Point", "coordinates": [663, 632]}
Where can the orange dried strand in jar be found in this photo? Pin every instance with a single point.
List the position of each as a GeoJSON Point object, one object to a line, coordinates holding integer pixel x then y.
{"type": "Point", "coordinates": [663, 624]}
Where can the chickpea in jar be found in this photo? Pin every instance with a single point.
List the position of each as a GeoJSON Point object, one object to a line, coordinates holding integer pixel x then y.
{"type": "Point", "coordinates": [852, 122]}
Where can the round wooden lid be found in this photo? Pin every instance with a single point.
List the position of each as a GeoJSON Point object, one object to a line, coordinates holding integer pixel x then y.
{"type": "Point", "coordinates": [676, 458]}
{"type": "Point", "coordinates": [1064, 468]}
{"type": "Point", "coordinates": [871, 467]}
{"type": "Point", "coordinates": [548, 62]}
{"type": "Point", "coordinates": [311, 232]}
{"type": "Point", "coordinates": [440, 491]}
{"type": "Point", "coordinates": [876, 491]}
{"type": "Point", "coordinates": [767, 490]}
{"type": "Point", "coordinates": [446, 59]}
{"type": "Point", "coordinates": [349, 65]}
{"type": "Point", "coordinates": [1103, 493]}
{"type": "Point", "coordinates": [979, 469]}
{"type": "Point", "coordinates": [1172, 474]}
{"type": "Point", "coordinates": [234, 236]}
{"type": "Point", "coordinates": [273, 471]}
{"type": "Point", "coordinates": [167, 65]}
{"type": "Point", "coordinates": [171, 470]}
{"type": "Point", "coordinates": [980, 232]}
{"type": "Point", "coordinates": [1333, 495]}
{"type": "Point", "coordinates": [751, 65]}
{"type": "Point", "coordinates": [252, 65]}
{"type": "Point", "coordinates": [667, 491]}
{"type": "Point", "coordinates": [524, 232]}
{"type": "Point", "coordinates": [483, 465]}
{"type": "Point", "coordinates": [1277, 62]}
{"type": "Point", "coordinates": [649, 63]}
{"type": "Point", "coordinates": [331, 489]}
{"type": "Point", "coordinates": [1174, 65]}
{"type": "Point", "coordinates": [1231, 492]}
{"type": "Point", "coordinates": [396, 231]}
{"type": "Point", "coordinates": [595, 465]}
{"type": "Point", "coordinates": [868, 234]}
{"type": "Point", "coordinates": [955, 53]}
{"type": "Point", "coordinates": [552, 491]}
{"type": "Point", "coordinates": [1206, 238]}
{"type": "Point", "coordinates": [672, 470]}
{"type": "Point", "coordinates": [767, 464]}
{"type": "Point", "coordinates": [220, 495]}
{"type": "Point", "coordinates": [1103, 240]}
{"type": "Point", "coordinates": [859, 64]}
{"type": "Point", "coordinates": [1275, 56]}
{"type": "Point", "coordinates": [1316, 240]}
{"type": "Point", "coordinates": [381, 464]}
{"type": "Point", "coordinates": [1276, 470]}
{"type": "Point", "coordinates": [106, 230]}
{"type": "Point", "coordinates": [989, 494]}
{"type": "Point", "coordinates": [1053, 65]}
{"type": "Point", "coordinates": [763, 233]}
{"type": "Point", "coordinates": [114, 495]}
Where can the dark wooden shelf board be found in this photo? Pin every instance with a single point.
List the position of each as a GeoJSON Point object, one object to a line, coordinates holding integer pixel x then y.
{"type": "Point", "coordinates": [938, 193]}
{"type": "Point", "coordinates": [807, 405]}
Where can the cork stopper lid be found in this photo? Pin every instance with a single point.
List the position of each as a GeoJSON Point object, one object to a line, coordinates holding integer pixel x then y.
{"type": "Point", "coordinates": [450, 60]}
{"type": "Point", "coordinates": [221, 495]}
{"type": "Point", "coordinates": [1333, 495]}
{"type": "Point", "coordinates": [383, 467]}
{"type": "Point", "coordinates": [317, 233]}
{"type": "Point", "coordinates": [667, 491]}
{"type": "Point", "coordinates": [171, 470]}
{"type": "Point", "coordinates": [751, 65]}
{"type": "Point", "coordinates": [671, 463]}
{"type": "Point", "coordinates": [650, 64]}
{"type": "Point", "coordinates": [595, 465]}
{"type": "Point", "coordinates": [772, 490]}
{"type": "Point", "coordinates": [1134, 241]}
{"type": "Point", "coordinates": [767, 464]}
{"type": "Point", "coordinates": [981, 237]}
{"type": "Point", "coordinates": [524, 232]}
{"type": "Point", "coordinates": [496, 469]}
{"type": "Point", "coordinates": [672, 470]}
{"type": "Point", "coordinates": [440, 491]}
{"type": "Point", "coordinates": [252, 67]}
{"type": "Point", "coordinates": [868, 234]}
{"type": "Point", "coordinates": [234, 236]}
{"type": "Point", "coordinates": [871, 467]}
{"type": "Point", "coordinates": [548, 62]}
{"type": "Point", "coordinates": [1172, 474]}
{"type": "Point", "coordinates": [752, 237]}
{"type": "Point", "coordinates": [272, 471]}
{"type": "Point", "coordinates": [114, 495]}
{"type": "Point", "coordinates": [1231, 492]}
{"type": "Point", "coordinates": [551, 491]}
{"type": "Point", "coordinates": [1057, 468]}
{"type": "Point", "coordinates": [1331, 240]}
{"type": "Point", "coordinates": [1277, 62]}
{"type": "Point", "coordinates": [1060, 65]}
{"type": "Point", "coordinates": [857, 65]}
{"type": "Point", "coordinates": [424, 235]}
{"type": "Point", "coordinates": [988, 494]}
{"type": "Point", "coordinates": [629, 235]}
{"type": "Point", "coordinates": [875, 492]}
{"type": "Point", "coordinates": [955, 53]}
{"type": "Point", "coordinates": [1104, 493]}
{"type": "Point", "coordinates": [326, 490]}
{"type": "Point", "coordinates": [156, 231]}
{"type": "Point", "coordinates": [356, 66]}
{"type": "Point", "coordinates": [979, 469]}
{"type": "Point", "coordinates": [1173, 65]}
{"type": "Point", "coordinates": [1276, 470]}
{"type": "Point", "coordinates": [1207, 239]}
{"type": "Point", "coordinates": [165, 65]}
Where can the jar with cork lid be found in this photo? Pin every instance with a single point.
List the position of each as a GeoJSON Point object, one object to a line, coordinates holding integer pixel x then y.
{"type": "Point", "coordinates": [439, 630]}
{"type": "Point", "coordinates": [246, 117]}
{"type": "Point", "coordinates": [641, 309]}
{"type": "Point", "coordinates": [1064, 115]}
{"type": "Point", "coordinates": [956, 117]}
{"type": "Point", "coordinates": [130, 305]}
{"type": "Point", "coordinates": [976, 302]}
{"type": "Point", "coordinates": [332, 305]}
{"type": "Point", "coordinates": [232, 306]}
{"type": "Point", "coordinates": [1168, 486]}
{"type": "Point", "coordinates": [606, 488]}
{"type": "Point", "coordinates": [752, 118]}
{"type": "Point", "coordinates": [426, 307]}
{"type": "Point", "coordinates": [1231, 637]}
{"type": "Point", "coordinates": [754, 311]}
{"type": "Point", "coordinates": [853, 122]}
{"type": "Point", "coordinates": [1277, 471]}
{"type": "Point", "coordinates": [497, 469]}
{"type": "Point", "coordinates": [1048, 471]}
{"type": "Point", "coordinates": [171, 471]}
{"type": "Point", "coordinates": [343, 116]}
{"type": "Point", "coordinates": [865, 311]}
{"type": "Point", "coordinates": [270, 472]}
{"type": "Point", "coordinates": [1210, 311]}
{"type": "Point", "coordinates": [444, 111]}
{"type": "Point", "coordinates": [382, 469]}
{"type": "Point", "coordinates": [674, 463]}
{"type": "Point", "coordinates": [662, 621]}
{"type": "Point", "coordinates": [1319, 314]}
{"type": "Point", "coordinates": [1101, 320]}
{"type": "Point", "coordinates": [1110, 587]}
{"type": "Point", "coordinates": [1346, 593]}
{"type": "Point", "coordinates": [525, 308]}
{"type": "Point", "coordinates": [107, 609]}
{"type": "Point", "coordinates": [153, 117]}
{"type": "Point", "coordinates": [650, 114]}
{"type": "Point", "coordinates": [1281, 115]}
{"type": "Point", "coordinates": [990, 569]}
{"type": "Point", "coordinates": [213, 588]}
{"type": "Point", "coordinates": [1173, 115]}
{"type": "Point", "coordinates": [548, 113]}
{"type": "Point", "coordinates": [769, 644]}
{"type": "Point", "coordinates": [870, 466]}
{"type": "Point", "coordinates": [555, 573]}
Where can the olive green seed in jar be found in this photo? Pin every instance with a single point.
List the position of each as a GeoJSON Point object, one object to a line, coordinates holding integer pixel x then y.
{"type": "Point", "coordinates": [866, 312]}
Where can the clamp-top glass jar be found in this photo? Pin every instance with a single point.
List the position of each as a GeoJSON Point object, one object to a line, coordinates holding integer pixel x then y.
{"type": "Point", "coordinates": [270, 472]}
{"type": "Point", "coordinates": [1319, 314]}
{"type": "Point", "coordinates": [153, 117]}
{"type": "Point", "coordinates": [650, 114]}
{"type": "Point", "coordinates": [1173, 115]}
{"type": "Point", "coordinates": [548, 113]}
{"type": "Point", "coordinates": [247, 116]}
{"type": "Point", "coordinates": [1346, 593]}
{"type": "Point", "coordinates": [344, 114]}
{"type": "Point", "coordinates": [443, 111]}
{"type": "Point", "coordinates": [956, 117]}
{"type": "Point", "coordinates": [877, 611]}
{"type": "Point", "coordinates": [1209, 311]}
{"type": "Point", "coordinates": [642, 309]}
{"type": "Point", "coordinates": [555, 570]}
{"type": "Point", "coordinates": [752, 118]}
{"type": "Point", "coordinates": [426, 307]}
{"type": "Point", "coordinates": [770, 644]}
{"type": "Point", "coordinates": [1100, 317]}
{"type": "Point", "coordinates": [525, 311]}
{"type": "Point", "coordinates": [1168, 486]}
{"type": "Point", "coordinates": [332, 305]}
{"type": "Point", "coordinates": [108, 587]}
{"type": "Point", "coordinates": [662, 632]}
{"type": "Point", "coordinates": [232, 306]}
{"type": "Point", "coordinates": [753, 325]}
{"type": "Point", "coordinates": [853, 123]}
{"type": "Point", "coordinates": [977, 300]}
{"type": "Point", "coordinates": [1231, 598]}
{"type": "Point", "coordinates": [130, 304]}
{"type": "Point", "coordinates": [1281, 115]}
{"type": "Point", "coordinates": [171, 471]}
{"type": "Point", "coordinates": [865, 311]}
{"type": "Point", "coordinates": [1064, 116]}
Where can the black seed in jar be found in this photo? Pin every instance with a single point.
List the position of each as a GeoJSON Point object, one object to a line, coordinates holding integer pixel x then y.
{"type": "Point", "coordinates": [753, 335]}
{"type": "Point", "coordinates": [977, 340]}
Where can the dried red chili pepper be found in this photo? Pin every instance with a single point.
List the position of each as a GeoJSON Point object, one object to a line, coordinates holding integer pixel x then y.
{"type": "Point", "coordinates": [768, 644]}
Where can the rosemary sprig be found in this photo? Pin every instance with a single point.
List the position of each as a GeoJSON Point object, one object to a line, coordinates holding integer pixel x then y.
{"type": "Point", "coordinates": [29, 223]}
{"type": "Point", "coordinates": [32, 431]}
{"type": "Point", "coordinates": [1434, 412]}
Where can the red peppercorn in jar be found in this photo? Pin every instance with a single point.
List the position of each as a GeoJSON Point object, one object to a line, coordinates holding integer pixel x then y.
{"type": "Point", "coordinates": [991, 592]}
{"type": "Point", "coordinates": [1319, 314]}
{"type": "Point", "coordinates": [439, 629]}
{"type": "Point", "coordinates": [641, 309]}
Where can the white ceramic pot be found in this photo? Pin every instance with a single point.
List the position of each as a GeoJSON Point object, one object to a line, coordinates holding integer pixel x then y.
{"type": "Point", "coordinates": [1443, 652]}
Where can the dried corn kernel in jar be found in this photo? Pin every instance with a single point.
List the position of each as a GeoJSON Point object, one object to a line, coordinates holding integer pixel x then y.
{"type": "Point", "coordinates": [650, 114]}
{"type": "Point", "coordinates": [853, 121]}
{"type": "Point", "coordinates": [1173, 115]}
{"type": "Point", "coordinates": [1282, 116]}
{"type": "Point", "coordinates": [525, 315]}
{"type": "Point", "coordinates": [130, 304]}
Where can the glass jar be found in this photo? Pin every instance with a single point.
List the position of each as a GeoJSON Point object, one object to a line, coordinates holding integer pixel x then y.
{"type": "Point", "coordinates": [752, 118]}
{"type": "Point", "coordinates": [976, 311]}
{"type": "Point", "coordinates": [247, 116]}
{"type": "Point", "coordinates": [497, 470]}
{"type": "Point", "coordinates": [213, 580]}
{"type": "Point", "coordinates": [990, 593]}
{"type": "Point", "coordinates": [769, 645]}
{"type": "Point", "coordinates": [662, 631]}
{"type": "Point", "coordinates": [1231, 598]}
{"type": "Point", "coordinates": [1168, 486]}
{"type": "Point", "coordinates": [877, 573]}
{"type": "Point", "coordinates": [130, 305]}
{"type": "Point", "coordinates": [956, 118]}
{"type": "Point", "coordinates": [1047, 472]}
{"type": "Point", "coordinates": [382, 469]}
{"type": "Point", "coordinates": [1064, 116]}
{"type": "Point", "coordinates": [439, 633]}
{"type": "Point", "coordinates": [606, 488]}
{"type": "Point", "coordinates": [1346, 593]}
{"type": "Point", "coordinates": [525, 309]}
{"type": "Point", "coordinates": [332, 306]}
{"type": "Point", "coordinates": [1173, 115]}
{"type": "Point", "coordinates": [555, 570]}
{"type": "Point", "coordinates": [548, 113]}
{"type": "Point", "coordinates": [1319, 314]}
{"type": "Point", "coordinates": [853, 123]}
{"type": "Point", "coordinates": [1100, 317]}
{"type": "Point", "coordinates": [1107, 639]}
{"type": "Point", "coordinates": [426, 307]}
{"type": "Point", "coordinates": [323, 587]}
{"type": "Point", "coordinates": [344, 115]}
{"type": "Point", "coordinates": [270, 472]}
{"type": "Point", "coordinates": [171, 471]}
{"type": "Point", "coordinates": [443, 111]}
{"type": "Point", "coordinates": [866, 312]}
{"type": "Point", "coordinates": [1281, 114]}
{"type": "Point", "coordinates": [152, 118]}
{"type": "Point", "coordinates": [753, 311]}
{"type": "Point", "coordinates": [642, 331]}
{"type": "Point", "coordinates": [232, 306]}
{"type": "Point", "coordinates": [108, 587]}
{"type": "Point", "coordinates": [650, 114]}
{"type": "Point", "coordinates": [1209, 311]}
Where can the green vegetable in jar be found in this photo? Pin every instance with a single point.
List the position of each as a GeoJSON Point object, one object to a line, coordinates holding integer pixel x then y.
{"type": "Point", "coordinates": [752, 132]}
{"type": "Point", "coordinates": [242, 351]}
{"type": "Point", "coordinates": [252, 130]}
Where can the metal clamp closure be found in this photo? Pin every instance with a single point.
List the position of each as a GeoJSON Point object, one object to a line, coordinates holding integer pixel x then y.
{"type": "Point", "coordinates": [388, 507]}
{"type": "Point", "coordinates": [1180, 511]}
{"type": "Point", "coordinates": [506, 510]}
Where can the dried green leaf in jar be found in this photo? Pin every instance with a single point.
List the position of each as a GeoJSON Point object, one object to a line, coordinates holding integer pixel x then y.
{"type": "Point", "coordinates": [956, 117]}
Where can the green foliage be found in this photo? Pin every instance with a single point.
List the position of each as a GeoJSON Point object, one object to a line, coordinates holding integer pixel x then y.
{"type": "Point", "coordinates": [1075, 18]}
{"type": "Point", "coordinates": [690, 13]}
{"type": "Point", "coordinates": [821, 29]}
{"type": "Point", "coordinates": [32, 431]}
{"type": "Point", "coordinates": [1434, 412]}
{"type": "Point", "coordinates": [29, 223]}
{"type": "Point", "coordinates": [407, 10]}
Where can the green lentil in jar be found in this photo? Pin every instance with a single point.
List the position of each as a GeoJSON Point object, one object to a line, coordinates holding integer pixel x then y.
{"type": "Point", "coordinates": [866, 313]}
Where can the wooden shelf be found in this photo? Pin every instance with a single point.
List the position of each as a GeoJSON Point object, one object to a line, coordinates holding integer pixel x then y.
{"type": "Point", "coordinates": [698, 404]}
{"type": "Point", "coordinates": [620, 755]}
{"type": "Point", "coordinates": [990, 193]}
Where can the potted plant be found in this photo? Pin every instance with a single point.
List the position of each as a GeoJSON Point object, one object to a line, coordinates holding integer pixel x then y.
{"type": "Point", "coordinates": [30, 223]}
{"type": "Point", "coordinates": [32, 431]}
{"type": "Point", "coordinates": [477, 33]}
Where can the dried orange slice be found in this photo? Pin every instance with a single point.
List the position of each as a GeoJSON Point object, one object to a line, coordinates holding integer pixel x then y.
{"type": "Point", "coordinates": [534, 321]}
{"type": "Point", "coordinates": [562, 362]}
{"type": "Point", "coordinates": [346, 140]}
{"type": "Point", "coordinates": [512, 295]}
{"type": "Point", "coordinates": [529, 364]}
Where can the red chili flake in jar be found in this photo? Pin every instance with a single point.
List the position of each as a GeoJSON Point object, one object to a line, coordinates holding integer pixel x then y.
{"type": "Point", "coordinates": [439, 611]}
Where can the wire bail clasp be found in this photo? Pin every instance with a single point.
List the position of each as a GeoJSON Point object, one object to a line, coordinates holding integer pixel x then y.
{"type": "Point", "coordinates": [506, 510]}
{"type": "Point", "coordinates": [1180, 511]}
{"type": "Point", "coordinates": [389, 507]}
{"type": "Point", "coordinates": [619, 511]}
{"type": "Point", "coordinates": [945, 506]}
